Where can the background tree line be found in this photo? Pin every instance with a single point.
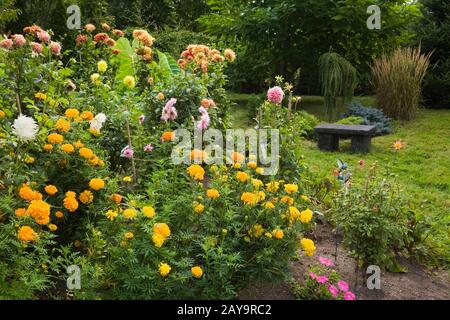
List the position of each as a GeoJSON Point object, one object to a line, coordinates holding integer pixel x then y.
{"type": "Point", "coordinates": [270, 37]}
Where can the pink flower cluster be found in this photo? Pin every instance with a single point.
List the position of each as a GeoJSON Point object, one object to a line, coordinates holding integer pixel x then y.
{"type": "Point", "coordinates": [169, 112]}
{"type": "Point", "coordinates": [275, 95]}
{"type": "Point", "coordinates": [204, 119]}
{"type": "Point", "coordinates": [18, 41]}
{"type": "Point", "coordinates": [127, 152]}
{"type": "Point", "coordinates": [148, 148]}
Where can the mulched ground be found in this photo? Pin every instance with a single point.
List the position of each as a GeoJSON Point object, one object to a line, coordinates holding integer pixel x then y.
{"type": "Point", "coordinates": [417, 284]}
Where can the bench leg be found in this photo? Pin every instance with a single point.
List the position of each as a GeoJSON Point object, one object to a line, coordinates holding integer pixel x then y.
{"type": "Point", "coordinates": [328, 142]}
{"type": "Point", "coordinates": [361, 143]}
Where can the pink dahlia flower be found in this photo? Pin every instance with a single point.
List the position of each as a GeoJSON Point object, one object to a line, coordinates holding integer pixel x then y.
{"type": "Point", "coordinates": [349, 296]}
{"type": "Point", "coordinates": [37, 47]}
{"type": "Point", "coordinates": [322, 279]}
{"type": "Point", "coordinates": [127, 152]}
{"type": "Point", "coordinates": [55, 47]}
{"type": "Point", "coordinates": [326, 262]}
{"type": "Point", "coordinates": [43, 36]}
{"type": "Point", "coordinates": [169, 112]}
{"type": "Point", "coordinates": [6, 44]}
{"type": "Point", "coordinates": [343, 285]}
{"type": "Point", "coordinates": [275, 95]}
{"type": "Point", "coordinates": [148, 148]}
{"type": "Point", "coordinates": [19, 40]}
{"type": "Point", "coordinates": [333, 290]}
{"type": "Point", "coordinates": [313, 275]}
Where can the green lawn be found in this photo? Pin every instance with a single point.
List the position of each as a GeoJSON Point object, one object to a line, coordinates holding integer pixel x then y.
{"type": "Point", "coordinates": [422, 166]}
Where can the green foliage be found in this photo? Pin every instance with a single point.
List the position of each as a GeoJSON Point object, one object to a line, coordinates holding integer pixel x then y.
{"type": "Point", "coordinates": [369, 116]}
{"type": "Point", "coordinates": [432, 34]}
{"type": "Point", "coordinates": [8, 12]}
{"type": "Point", "coordinates": [351, 120]}
{"type": "Point", "coordinates": [337, 78]}
{"type": "Point", "coordinates": [175, 41]}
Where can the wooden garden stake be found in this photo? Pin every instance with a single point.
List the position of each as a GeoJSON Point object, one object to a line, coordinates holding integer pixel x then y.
{"type": "Point", "coordinates": [133, 167]}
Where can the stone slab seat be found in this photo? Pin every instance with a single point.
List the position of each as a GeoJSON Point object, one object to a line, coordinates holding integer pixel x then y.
{"type": "Point", "coordinates": [329, 135]}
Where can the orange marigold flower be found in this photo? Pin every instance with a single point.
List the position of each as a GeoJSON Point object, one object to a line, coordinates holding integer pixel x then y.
{"type": "Point", "coordinates": [288, 200]}
{"type": "Point", "coordinates": [212, 194]}
{"type": "Point", "coordinates": [278, 234]}
{"type": "Point", "coordinates": [67, 148]}
{"type": "Point", "coordinates": [197, 272]}
{"type": "Point", "coordinates": [59, 214]}
{"type": "Point", "coordinates": [51, 189]}
{"type": "Point", "coordinates": [40, 211]}
{"type": "Point", "coordinates": [237, 157]}
{"type": "Point", "coordinates": [87, 115]}
{"type": "Point", "coordinates": [71, 194]}
{"type": "Point", "coordinates": [62, 125]}
{"type": "Point", "coordinates": [117, 198]}
{"type": "Point", "coordinates": [398, 145]}
{"type": "Point", "coordinates": [249, 198]}
{"type": "Point", "coordinates": [52, 227]}
{"type": "Point", "coordinates": [86, 197]}
{"type": "Point", "coordinates": [168, 136]}
{"type": "Point", "coordinates": [196, 172]}
{"type": "Point", "coordinates": [162, 229]}
{"type": "Point", "coordinates": [27, 234]}
{"type": "Point", "coordinates": [242, 176]}
{"type": "Point", "coordinates": [47, 147]}
{"type": "Point", "coordinates": [72, 113]}
{"type": "Point", "coordinates": [78, 144]}
{"type": "Point", "coordinates": [96, 184]}
{"type": "Point", "coordinates": [198, 155]}
{"type": "Point", "coordinates": [55, 138]}
{"type": "Point", "coordinates": [70, 203]}
{"type": "Point", "coordinates": [28, 194]}
{"type": "Point", "coordinates": [21, 212]}
{"type": "Point", "coordinates": [86, 153]}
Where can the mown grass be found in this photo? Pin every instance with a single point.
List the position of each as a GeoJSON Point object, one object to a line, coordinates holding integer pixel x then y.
{"type": "Point", "coordinates": [422, 167]}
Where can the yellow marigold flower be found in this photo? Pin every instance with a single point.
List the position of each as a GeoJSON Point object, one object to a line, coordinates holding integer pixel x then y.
{"type": "Point", "coordinates": [196, 172]}
{"type": "Point", "coordinates": [197, 272]}
{"type": "Point", "coordinates": [257, 183]}
{"type": "Point", "coordinates": [290, 188]}
{"type": "Point", "coordinates": [160, 96]}
{"type": "Point", "coordinates": [28, 194]}
{"type": "Point", "coordinates": [247, 239]}
{"type": "Point", "coordinates": [40, 211]}
{"type": "Point", "coordinates": [29, 160]}
{"type": "Point", "coordinates": [128, 235]}
{"type": "Point", "coordinates": [21, 212]}
{"type": "Point", "coordinates": [86, 197]}
{"type": "Point", "coordinates": [70, 203]}
{"type": "Point", "coordinates": [158, 240]}
{"type": "Point", "coordinates": [164, 269]}
{"type": "Point", "coordinates": [102, 66]}
{"type": "Point", "coordinates": [249, 198]}
{"type": "Point", "coordinates": [59, 214]}
{"type": "Point", "coordinates": [261, 195]}
{"type": "Point", "coordinates": [148, 211]}
{"type": "Point", "coordinates": [212, 194]}
{"type": "Point", "coordinates": [40, 96]}
{"type": "Point", "coordinates": [167, 136]}
{"type": "Point", "coordinates": [62, 125]}
{"type": "Point", "coordinates": [27, 234]}
{"type": "Point", "coordinates": [94, 132]}
{"type": "Point", "coordinates": [87, 115]}
{"type": "Point", "coordinates": [2, 114]}
{"type": "Point", "coordinates": [95, 78]}
{"type": "Point", "coordinates": [67, 148]}
{"type": "Point", "coordinates": [237, 157]}
{"type": "Point", "coordinates": [288, 200]}
{"type": "Point", "coordinates": [161, 229]}
{"type": "Point", "coordinates": [111, 215]}
{"type": "Point", "coordinates": [278, 234]}
{"type": "Point", "coordinates": [96, 184]}
{"type": "Point", "coordinates": [127, 179]}
{"type": "Point", "coordinates": [398, 145]}
{"type": "Point", "coordinates": [51, 189]}
{"type": "Point", "coordinates": [308, 246]}
{"type": "Point", "coordinates": [47, 147]}
{"type": "Point", "coordinates": [55, 138]}
{"type": "Point", "coordinates": [269, 205]}
{"type": "Point", "coordinates": [71, 194]}
{"type": "Point", "coordinates": [252, 165]}
{"type": "Point", "coordinates": [117, 198]}
{"type": "Point", "coordinates": [305, 198]}
{"type": "Point", "coordinates": [94, 161]}
{"type": "Point", "coordinates": [268, 235]}
{"type": "Point", "coordinates": [237, 165]}
{"type": "Point", "coordinates": [52, 227]}
{"type": "Point", "coordinates": [306, 216]}
{"type": "Point", "coordinates": [294, 213]}
{"type": "Point", "coordinates": [273, 186]}
{"type": "Point", "coordinates": [72, 113]}
{"type": "Point", "coordinates": [259, 170]}
{"type": "Point", "coordinates": [256, 231]}
{"type": "Point", "coordinates": [129, 213]}
{"type": "Point", "coordinates": [224, 232]}
{"type": "Point", "coordinates": [129, 82]}
{"type": "Point", "coordinates": [242, 176]}
{"type": "Point", "coordinates": [214, 168]}
{"type": "Point", "coordinates": [199, 208]}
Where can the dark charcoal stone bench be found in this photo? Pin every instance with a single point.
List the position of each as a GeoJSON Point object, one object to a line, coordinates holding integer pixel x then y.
{"type": "Point", "coordinates": [329, 135]}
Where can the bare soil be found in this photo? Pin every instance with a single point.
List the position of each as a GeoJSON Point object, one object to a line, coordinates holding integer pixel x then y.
{"type": "Point", "coordinates": [416, 284]}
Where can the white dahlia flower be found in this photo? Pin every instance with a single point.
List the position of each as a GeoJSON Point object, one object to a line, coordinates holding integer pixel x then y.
{"type": "Point", "coordinates": [25, 128]}
{"type": "Point", "coordinates": [97, 122]}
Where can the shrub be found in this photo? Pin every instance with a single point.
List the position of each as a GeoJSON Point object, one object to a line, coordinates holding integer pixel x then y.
{"type": "Point", "coordinates": [351, 120]}
{"type": "Point", "coordinates": [371, 116]}
{"type": "Point", "coordinates": [398, 81]}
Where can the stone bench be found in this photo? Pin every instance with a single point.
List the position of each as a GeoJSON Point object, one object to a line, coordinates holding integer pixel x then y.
{"type": "Point", "coordinates": [329, 135]}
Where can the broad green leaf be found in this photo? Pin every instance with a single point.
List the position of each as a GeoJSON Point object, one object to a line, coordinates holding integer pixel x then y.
{"type": "Point", "coordinates": [126, 59]}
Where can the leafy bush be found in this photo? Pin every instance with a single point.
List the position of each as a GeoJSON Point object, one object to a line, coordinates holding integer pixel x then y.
{"type": "Point", "coordinates": [351, 120]}
{"type": "Point", "coordinates": [398, 81]}
{"type": "Point", "coordinates": [371, 116]}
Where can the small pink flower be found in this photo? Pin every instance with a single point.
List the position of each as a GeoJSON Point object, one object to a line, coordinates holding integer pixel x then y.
{"type": "Point", "coordinates": [6, 44]}
{"type": "Point", "coordinates": [43, 36]}
{"type": "Point", "coordinates": [322, 279]}
{"type": "Point", "coordinates": [202, 110]}
{"type": "Point", "coordinates": [19, 40]}
{"type": "Point", "coordinates": [326, 262]}
{"type": "Point", "coordinates": [169, 112]}
{"type": "Point", "coordinates": [313, 275]}
{"type": "Point", "coordinates": [204, 122]}
{"type": "Point", "coordinates": [37, 47]}
{"type": "Point", "coordinates": [148, 148]}
{"type": "Point", "coordinates": [361, 163]}
{"type": "Point", "coordinates": [349, 296]}
{"type": "Point", "coordinates": [55, 47]}
{"type": "Point", "coordinates": [127, 152]}
{"type": "Point", "coordinates": [141, 118]}
{"type": "Point", "coordinates": [275, 95]}
{"type": "Point", "coordinates": [333, 290]}
{"type": "Point", "coordinates": [343, 285]}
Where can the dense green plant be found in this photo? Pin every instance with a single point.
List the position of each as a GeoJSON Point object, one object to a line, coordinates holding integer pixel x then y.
{"type": "Point", "coordinates": [374, 218]}
{"type": "Point", "coordinates": [351, 120]}
{"type": "Point", "coordinates": [175, 41]}
{"type": "Point", "coordinates": [397, 78]}
{"type": "Point", "coordinates": [369, 116]}
{"type": "Point", "coordinates": [337, 78]}
{"type": "Point", "coordinates": [432, 34]}
{"type": "Point", "coordinates": [8, 12]}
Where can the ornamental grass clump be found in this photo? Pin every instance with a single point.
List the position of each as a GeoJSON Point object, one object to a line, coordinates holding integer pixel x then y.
{"type": "Point", "coordinates": [397, 78]}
